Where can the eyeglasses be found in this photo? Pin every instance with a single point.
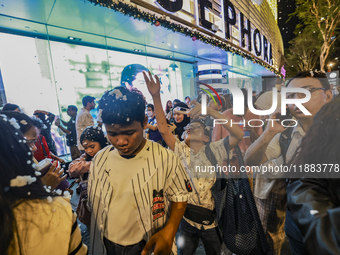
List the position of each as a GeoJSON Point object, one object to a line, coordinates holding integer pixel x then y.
{"type": "Point", "coordinates": [192, 126]}
{"type": "Point", "coordinates": [181, 110]}
{"type": "Point", "coordinates": [31, 142]}
{"type": "Point", "coordinates": [302, 95]}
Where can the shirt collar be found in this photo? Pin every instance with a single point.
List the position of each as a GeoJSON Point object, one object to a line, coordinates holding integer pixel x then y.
{"type": "Point", "coordinates": [298, 129]}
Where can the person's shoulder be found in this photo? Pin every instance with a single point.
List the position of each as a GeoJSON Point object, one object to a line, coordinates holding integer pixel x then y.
{"type": "Point", "coordinates": [229, 113]}
{"type": "Point", "coordinates": [101, 153]}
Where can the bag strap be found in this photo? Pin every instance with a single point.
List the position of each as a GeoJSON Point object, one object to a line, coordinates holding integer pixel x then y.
{"type": "Point", "coordinates": [43, 147]}
{"type": "Point", "coordinates": [211, 157]}
{"type": "Point", "coordinates": [285, 140]}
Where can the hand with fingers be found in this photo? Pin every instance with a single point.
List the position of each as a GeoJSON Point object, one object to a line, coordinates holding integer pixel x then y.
{"type": "Point", "coordinates": [274, 125]}
{"type": "Point", "coordinates": [172, 127]}
{"type": "Point", "coordinates": [54, 176]}
{"type": "Point", "coordinates": [196, 111]}
{"type": "Point", "coordinates": [153, 84]}
{"type": "Point", "coordinates": [162, 243]}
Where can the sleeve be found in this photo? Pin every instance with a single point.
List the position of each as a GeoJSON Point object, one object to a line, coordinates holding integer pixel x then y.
{"type": "Point", "coordinates": [177, 185]}
{"type": "Point", "coordinates": [76, 246]}
{"type": "Point", "coordinates": [79, 166]}
{"type": "Point", "coordinates": [311, 202]}
{"type": "Point", "coordinates": [273, 150]}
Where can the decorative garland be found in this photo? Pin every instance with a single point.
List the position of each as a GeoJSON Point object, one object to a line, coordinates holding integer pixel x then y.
{"type": "Point", "coordinates": [131, 11]}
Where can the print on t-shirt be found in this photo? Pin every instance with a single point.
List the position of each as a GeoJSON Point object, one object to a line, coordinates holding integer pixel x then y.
{"type": "Point", "coordinates": [158, 204]}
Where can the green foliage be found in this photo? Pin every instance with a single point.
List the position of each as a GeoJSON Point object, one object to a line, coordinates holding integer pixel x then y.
{"type": "Point", "coordinates": [322, 16]}
{"type": "Point", "coordinates": [303, 52]}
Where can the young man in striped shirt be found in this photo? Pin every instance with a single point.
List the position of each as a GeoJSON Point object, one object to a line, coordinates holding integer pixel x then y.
{"type": "Point", "coordinates": [132, 184]}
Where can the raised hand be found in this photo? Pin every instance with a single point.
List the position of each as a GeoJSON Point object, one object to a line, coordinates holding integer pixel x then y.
{"type": "Point", "coordinates": [54, 176]}
{"type": "Point", "coordinates": [154, 87]}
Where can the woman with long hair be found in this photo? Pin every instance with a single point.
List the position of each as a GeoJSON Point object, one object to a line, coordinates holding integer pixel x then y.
{"type": "Point", "coordinates": [93, 140]}
{"type": "Point", "coordinates": [27, 127]}
{"type": "Point", "coordinates": [32, 220]}
{"type": "Point", "coordinates": [314, 201]}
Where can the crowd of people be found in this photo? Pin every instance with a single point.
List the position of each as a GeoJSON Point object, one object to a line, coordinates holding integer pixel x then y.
{"type": "Point", "coordinates": [140, 191]}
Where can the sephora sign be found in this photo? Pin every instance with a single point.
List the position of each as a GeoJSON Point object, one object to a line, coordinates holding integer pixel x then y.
{"type": "Point", "coordinates": [250, 39]}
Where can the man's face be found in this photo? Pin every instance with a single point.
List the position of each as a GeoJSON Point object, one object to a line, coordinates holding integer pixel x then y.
{"type": "Point", "coordinates": [194, 132]}
{"type": "Point", "coordinates": [318, 97]}
{"type": "Point", "coordinates": [92, 105]}
{"type": "Point", "coordinates": [149, 112]}
{"type": "Point", "coordinates": [127, 139]}
{"type": "Point", "coordinates": [71, 112]}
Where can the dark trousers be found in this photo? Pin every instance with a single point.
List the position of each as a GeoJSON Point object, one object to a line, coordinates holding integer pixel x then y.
{"type": "Point", "coordinates": [116, 249]}
{"type": "Point", "coordinates": [188, 238]}
{"type": "Point", "coordinates": [294, 235]}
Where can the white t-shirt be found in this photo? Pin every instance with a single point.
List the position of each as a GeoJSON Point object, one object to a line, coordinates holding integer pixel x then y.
{"type": "Point", "coordinates": [168, 181]}
{"type": "Point", "coordinates": [84, 119]}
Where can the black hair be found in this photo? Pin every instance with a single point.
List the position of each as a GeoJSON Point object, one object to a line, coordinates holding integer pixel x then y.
{"type": "Point", "coordinates": [15, 161]}
{"type": "Point", "coordinates": [94, 134]}
{"type": "Point", "coordinates": [22, 119]}
{"type": "Point", "coordinates": [73, 108]}
{"type": "Point", "coordinates": [321, 76]}
{"type": "Point", "coordinates": [320, 144]}
{"type": "Point", "coordinates": [175, 102]}
{"type": "Point", "coordinates": [87, 99]}
{"type": "Point", "coordinates": [186, 97]}
{"type": "Point", "coordinates": [40, 115]}
{"type": "Point", "coordinates": [10, 107]}
{"type": "Point", "coordinates": [228, 103]}
{"type": "Point", "coordinates": [122, 106]}
{"type": "Point", "coordinates": [150, 106]}
{"type": "Point", "coordinates": [129, 73]}
{"type": "Point", "coordinates": [37, 123]}
{"type": "Point", "coordinates": [245, 98]}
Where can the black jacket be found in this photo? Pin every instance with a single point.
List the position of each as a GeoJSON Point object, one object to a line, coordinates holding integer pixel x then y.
{"type": "Point", "coordinates": [315, 206]}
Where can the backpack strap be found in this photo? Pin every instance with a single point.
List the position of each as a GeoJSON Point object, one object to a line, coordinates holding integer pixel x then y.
{"type": "Point", "coordinates": [211, 157]}
{"type": "Point", "coordinates": [285, 140]}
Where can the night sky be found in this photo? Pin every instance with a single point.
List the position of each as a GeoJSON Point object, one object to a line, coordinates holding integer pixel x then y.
{"type": "Point", "coordinates": [286, 7]}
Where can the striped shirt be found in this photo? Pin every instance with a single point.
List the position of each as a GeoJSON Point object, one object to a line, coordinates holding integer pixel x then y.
{"type": "Point", "coordinates": [157, 179]}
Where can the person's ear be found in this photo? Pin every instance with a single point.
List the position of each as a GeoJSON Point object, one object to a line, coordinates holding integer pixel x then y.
{"type": "Point", "coordinates": [219, 107]}
{"type": "Point", "coordinates": [329, 95]}
{"type": "Point", "coordinates": [206, 139]}
{"type": "Point", "coordinates": [145, 122]}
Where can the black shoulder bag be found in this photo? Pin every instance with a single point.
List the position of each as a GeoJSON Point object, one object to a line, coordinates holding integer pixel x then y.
{"type": "Point", "coordinates": [236, 213]}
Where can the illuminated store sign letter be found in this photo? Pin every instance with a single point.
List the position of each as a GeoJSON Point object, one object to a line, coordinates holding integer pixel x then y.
{"type": "Point", "coordinates": [265, 48]}
{"type": "Point", "coordinates": [257, 41]}
{"type": "Point", "coordinates": [244, 31]}
{"type": "Point", "coordinates": [203, 4]}
{"type": "Point", "coordinates": [171, 5]}
{"type": "Point", "coordinates": [229, 19]}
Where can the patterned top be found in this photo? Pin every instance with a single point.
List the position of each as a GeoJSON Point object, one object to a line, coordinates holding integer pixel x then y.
{"type": "Point", "coordinates": [198, 166]}
{"type": "Point", "coordinates": [84, 120]}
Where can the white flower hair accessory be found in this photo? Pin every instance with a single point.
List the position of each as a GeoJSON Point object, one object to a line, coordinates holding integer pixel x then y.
{"type": "Point", "coordinates": [14, 123]}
